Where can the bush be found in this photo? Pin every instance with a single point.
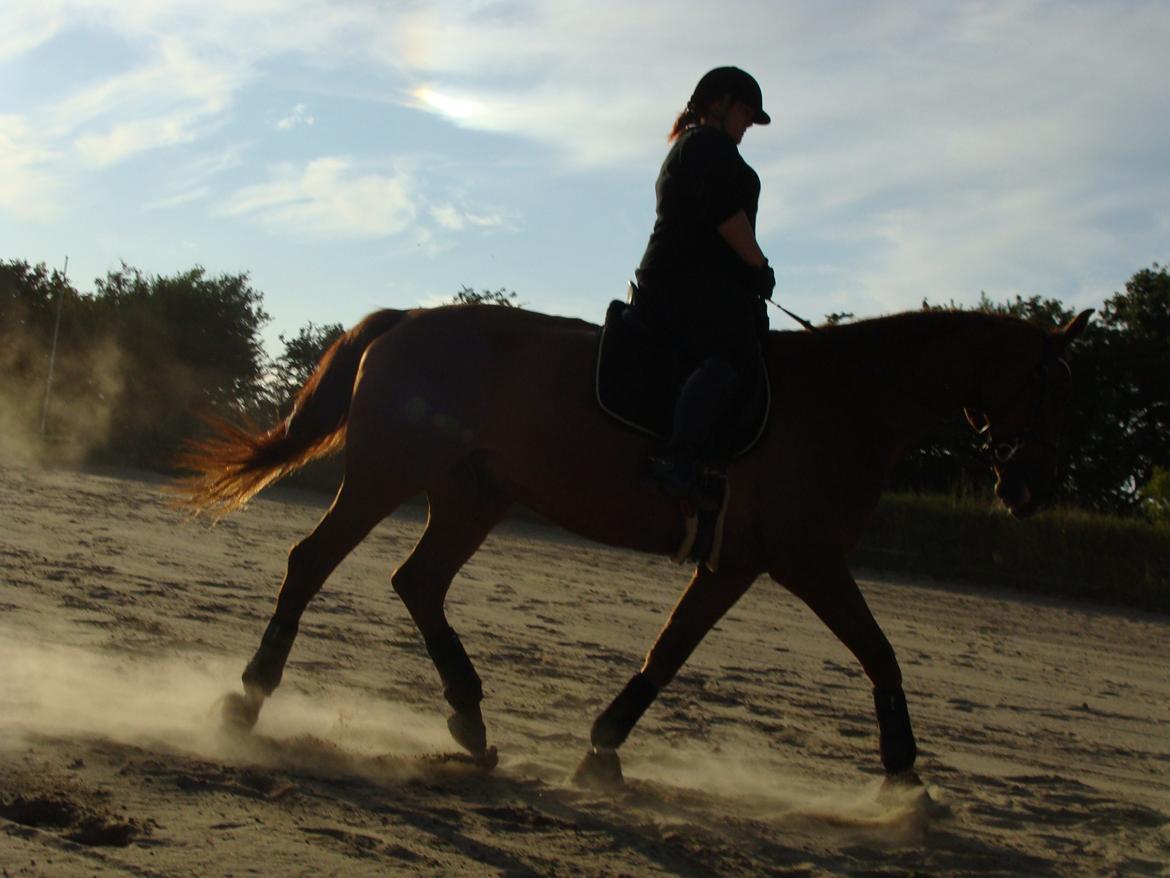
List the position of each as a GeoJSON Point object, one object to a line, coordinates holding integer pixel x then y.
{"type": "Point", "coordinates": [1064, 552]}
{"type": "Point", "coordinates": [1155, 496]}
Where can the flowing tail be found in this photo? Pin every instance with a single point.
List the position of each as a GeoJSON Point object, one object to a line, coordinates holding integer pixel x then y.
{"type": "Point", "coordinates": [236, 463]}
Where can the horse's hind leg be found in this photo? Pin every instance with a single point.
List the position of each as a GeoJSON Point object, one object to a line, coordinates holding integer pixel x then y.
{"type": "Point", "coordinates": [708, 596]}
{"type": "Point", "coordinates": [356, 509]}
{"type": "Point", "coordinates": [832, 593]}
{"type": "Point", "coordinates": [463, 510]}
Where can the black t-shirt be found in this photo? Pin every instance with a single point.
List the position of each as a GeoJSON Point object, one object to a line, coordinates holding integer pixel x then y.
{"type": "Point", "coordinates": [703, 182]}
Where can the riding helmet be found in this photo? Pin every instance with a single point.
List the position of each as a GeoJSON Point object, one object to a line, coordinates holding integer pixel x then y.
{"type": "Point", "coordinates": [735, 82]}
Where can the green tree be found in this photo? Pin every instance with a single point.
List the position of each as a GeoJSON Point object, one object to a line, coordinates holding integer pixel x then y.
{"type": "Point", "coordinates": [29, 300]}
{"type": "Point", "coordinates": [1043, 312]}
{"type": "Point", "coordinates": [299, 359]}
{"type": "Point", "coordinates": [1126, 417]}
{"type": "Point", "coordinates": [836, 318]}
{"type": "Point", "coordinates": [186, 345]}
{"type": "Point", "coordinates": [28, 310]}
{"type": "Point", "coordinates": [28, 296]}
{"type": "Point", "coordinates": [502, 296]}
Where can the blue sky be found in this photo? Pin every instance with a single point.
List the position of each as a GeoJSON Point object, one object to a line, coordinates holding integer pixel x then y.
{"type": "Point", "coordinates": [356, 155]}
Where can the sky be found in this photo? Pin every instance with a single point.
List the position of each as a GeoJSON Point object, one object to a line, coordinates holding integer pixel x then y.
{"type": "Point", "coordinates": [357, 155]}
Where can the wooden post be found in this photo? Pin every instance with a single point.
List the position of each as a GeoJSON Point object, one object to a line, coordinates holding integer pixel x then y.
{"type": "Point", "coordinates": [53, 350]}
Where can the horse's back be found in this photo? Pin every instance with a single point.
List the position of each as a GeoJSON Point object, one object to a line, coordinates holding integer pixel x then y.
{"type": "Point", "coordinates": [486, 366]}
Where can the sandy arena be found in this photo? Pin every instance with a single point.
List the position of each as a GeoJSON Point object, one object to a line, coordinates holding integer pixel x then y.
{"type": "Point", "coordinates": [1043, 726]}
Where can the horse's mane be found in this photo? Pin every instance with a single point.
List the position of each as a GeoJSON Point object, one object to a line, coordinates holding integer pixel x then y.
{"type": "Point", "coordinates": [907, 328]}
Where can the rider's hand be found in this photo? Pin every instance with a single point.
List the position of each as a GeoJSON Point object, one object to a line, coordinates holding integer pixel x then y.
{"type": "Point", "coordinates": [763, 281]}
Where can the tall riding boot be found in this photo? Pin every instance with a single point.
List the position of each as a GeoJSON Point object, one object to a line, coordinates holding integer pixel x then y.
{"type": "Point", "coordinates": [704, 396]}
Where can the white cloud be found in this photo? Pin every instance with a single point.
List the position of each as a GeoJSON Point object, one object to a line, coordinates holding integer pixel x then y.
{"type": "Point", "coordinates": [26, 25]}
{"type": "Point", "coordinates": [600, 81]}
{"type": "Point", "coordinates": [299, 116]}
{"type": "Point", "coordinates": [130, 138]}
{"type": "Point", "coordinates": [488, 220]}
{"type": "Point", "coordinates": [27, 189]}
{"type": "Point", "coordinates": [447, 216]}
{"type": "Point", "coordinates": [179, 199]}
{"type": "Point", "coordinates": [176, 98]}
{"type": "Point", "coordinates": [340, 198]}
{"type": "Point", "coordinates": [190, 181]}
{"type": "Point", "coordinates": [328, 198]}
{"type": "Point", "coordinates": [456, 219]}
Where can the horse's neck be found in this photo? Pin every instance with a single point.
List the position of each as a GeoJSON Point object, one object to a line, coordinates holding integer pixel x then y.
{"type": "Point", "coordinates": [926, 382]}
{"type": "Point", "coordinates": [943, 375]}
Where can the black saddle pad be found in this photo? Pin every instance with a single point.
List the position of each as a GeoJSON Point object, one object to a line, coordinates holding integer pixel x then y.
{"type": "Point", "coordinates": [639, 374]}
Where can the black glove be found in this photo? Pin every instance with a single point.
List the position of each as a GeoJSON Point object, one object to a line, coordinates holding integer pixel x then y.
{"type": "Point", "coordinates": [762, 281]}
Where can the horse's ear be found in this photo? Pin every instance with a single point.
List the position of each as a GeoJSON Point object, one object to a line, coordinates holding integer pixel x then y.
{"type": "Point", "coordinates": [1076, 326]}
{"type": "Point", "coordinates": [977, 420]}
{"type": "Point", "coordinates": [1070, 332]}
{"type": "Point", "coordinates": [1073, 329]}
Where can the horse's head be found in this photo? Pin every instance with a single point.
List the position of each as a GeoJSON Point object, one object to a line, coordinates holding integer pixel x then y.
{"type": "Point", "coordinates": [1024, 399]}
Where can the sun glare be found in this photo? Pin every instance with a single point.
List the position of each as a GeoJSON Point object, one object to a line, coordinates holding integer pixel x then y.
{"type": "Point", "coordinates": [455, 108]}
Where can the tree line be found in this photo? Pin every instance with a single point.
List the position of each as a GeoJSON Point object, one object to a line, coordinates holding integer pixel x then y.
{"type": "Point", "coordinates": [142, 357]}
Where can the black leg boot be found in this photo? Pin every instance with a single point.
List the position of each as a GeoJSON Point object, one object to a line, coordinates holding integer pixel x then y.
{"type": "Point", "coordinates": [702, 399]}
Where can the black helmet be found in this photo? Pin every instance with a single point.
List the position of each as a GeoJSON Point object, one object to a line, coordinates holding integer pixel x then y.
{"type": "Point", "coordinates": [735, 82]}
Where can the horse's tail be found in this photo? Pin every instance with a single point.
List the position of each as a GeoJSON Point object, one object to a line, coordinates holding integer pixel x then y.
{"type": "Point", "coordinates": [236, 463]}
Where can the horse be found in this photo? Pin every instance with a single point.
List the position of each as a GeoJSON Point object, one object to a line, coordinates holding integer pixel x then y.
{"type": "Point", "coordinates": [481, 407]}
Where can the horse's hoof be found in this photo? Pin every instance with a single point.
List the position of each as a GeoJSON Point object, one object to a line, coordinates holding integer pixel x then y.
{"type": "Point", "coordinates": [601, 769]}
{"type": "Point", "coordinates": [239, 713]}
{"type": "Point", "coordinates": [469, 732]}
{"type": "Point", "coordinates": [901, 785]}
{"type": "Point", "coordinates": [488, 759]}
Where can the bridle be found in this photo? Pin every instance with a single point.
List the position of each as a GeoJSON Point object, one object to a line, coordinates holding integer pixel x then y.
{"type": "Point", "coordinates": [1004, 449]}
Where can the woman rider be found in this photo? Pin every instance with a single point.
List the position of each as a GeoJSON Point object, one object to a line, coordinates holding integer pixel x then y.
{"type": "Point", "coordinates": [703, 278]}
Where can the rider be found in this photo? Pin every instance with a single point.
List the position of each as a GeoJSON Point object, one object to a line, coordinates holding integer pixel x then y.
{"type": "Point", "coordinates": [703, 278]}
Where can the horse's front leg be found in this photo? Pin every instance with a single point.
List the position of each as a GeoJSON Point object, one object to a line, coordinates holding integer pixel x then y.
{"type": "Point", "coordinates": [707, 597]}
{"type": "Point", "coordinates": [832, 593]}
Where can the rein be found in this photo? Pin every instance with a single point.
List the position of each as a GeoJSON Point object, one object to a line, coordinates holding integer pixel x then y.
{"type": "Point", "coordinates": [805, 323]}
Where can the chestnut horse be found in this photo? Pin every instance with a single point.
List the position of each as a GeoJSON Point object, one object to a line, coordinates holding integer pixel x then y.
{"type": "Point", "coordinates": [482, 406]}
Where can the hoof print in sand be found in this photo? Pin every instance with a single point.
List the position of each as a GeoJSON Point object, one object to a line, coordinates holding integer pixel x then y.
{"type": "Point", "coordinates": [72, 821]}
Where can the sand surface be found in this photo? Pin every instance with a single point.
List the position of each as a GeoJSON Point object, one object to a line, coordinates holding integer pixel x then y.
{"type": "Point", "coordinates": [1044, 726]}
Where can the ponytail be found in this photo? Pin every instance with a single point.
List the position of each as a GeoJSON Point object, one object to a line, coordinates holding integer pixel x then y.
{"type": "Point", "coordinates": [687, 118]}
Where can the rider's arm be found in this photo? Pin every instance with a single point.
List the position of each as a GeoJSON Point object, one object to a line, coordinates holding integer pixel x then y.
{"type": "Point", "coordinates": [738, 233]}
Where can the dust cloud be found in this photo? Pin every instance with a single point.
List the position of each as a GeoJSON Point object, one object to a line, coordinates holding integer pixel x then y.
{"type": "Point", "coordinates": [85, 389]}
{"type": "Point", "coordinates": [172, 702]}
{"type": "Point", "coordinates": [741, 783]}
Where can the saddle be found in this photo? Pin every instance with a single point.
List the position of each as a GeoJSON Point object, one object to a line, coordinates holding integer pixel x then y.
{"type": "Point", "coordinates": [638, 376]}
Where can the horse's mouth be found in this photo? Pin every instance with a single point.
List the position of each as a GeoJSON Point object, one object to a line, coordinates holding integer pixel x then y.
{"type": "Point", "coordinates": [1020, 503]}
